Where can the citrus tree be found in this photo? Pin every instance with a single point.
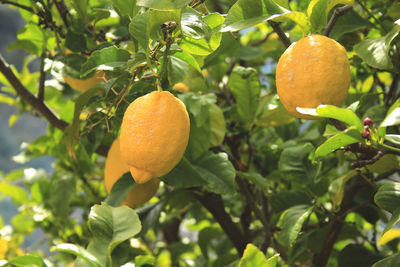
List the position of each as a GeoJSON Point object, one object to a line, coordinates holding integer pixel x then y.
{"type": "Point", "coordinates": [242, 133]}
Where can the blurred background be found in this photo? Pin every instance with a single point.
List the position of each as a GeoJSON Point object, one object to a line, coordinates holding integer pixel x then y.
{"type": "Point", "coordinates": [27, 128]}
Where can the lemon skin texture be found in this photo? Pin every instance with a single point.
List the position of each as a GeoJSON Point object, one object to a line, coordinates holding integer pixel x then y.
{"type": "Point", "coordinates": [115, 167]}
{"type": "Point", "coordinates": [84, 85]}
{"type": "Point", "coordinates": [154, 135]}
{"type": "Point", "coordinates": [313, 71]}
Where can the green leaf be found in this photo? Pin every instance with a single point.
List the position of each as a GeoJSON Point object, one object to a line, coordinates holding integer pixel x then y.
{"type": "Point", "coordinates": [214, 171]}
{"type": "Point", "coordinates": [71, 133]}
{"type": "Point", "coordinates": [375, 52]}
{"type": "Point", "coordinates": [110, 227]}
{"type": "Point", "coordinates": [212, 41]}
{"type": "Point", "coordinates": [144, 260]}
{"type": "Point", "coordinates": [349, 22]}
{"type": "Point", "coordinates": [105, 59]}
{"type": "Point", "coordinates": [256, 179]}
{"type": "Point", "coordinates": [63, 186]}
{"type": "Point", "coordinates": [277, 115]}
{"type": "Point", "coordinates": [180, 70]}
{"type": "Point", "coordinates": [295, 164]}
{"type": "Point", "coordinates": [217, 125]}
{"type": "Point", "coordinates": [76, 42]}
{"type": "Point", "coordinates": [393, 118]}
{"type": "Point", "coordinates": [336, 188]}
{"type": "Point", "coordinates": [27, 260]}
{"type": "Point", "coordinates": [291, 222]}
{"type": "Point", "coordinates": [388, 196]}
{"type": "Point", "coordinates": [391, 261]}
{"type": "Point", "coordinates": [124, 7]}
{"type": "Point", "coordinates": [347, 137]}
{"type": "Point", "coordinates": [342, 114]}
{"type": "Point", "coordinates": [138, 29]}
{"type": "Point", "coordinates": [393, 138]}
{"type": "Point", "coordinates": [244, 14]}
{"type": "Point", "coordinates": [252, 256]}
{"type": "Point", "coordinates": [286, 199]}
{"type": "Point", "coordinates": [357, 255]}
{"type": "Point", "coordinates": [245, 87]}
{"type": "Point", "coordinates": [120, 190]}
{"type": "Point", "coordinates": [18, 194]}
{"type": "Point", "coordinates": [192, 24]}
{"type": "Point", "coordinates": [163, 4]}
{"type": "Point", "coordinates": [296, 16]}
{"type": "Point", "coordinates": [30, 38]}
{"type": "Point", "coordinates": [318, 11]}
{"type": "Point", "coordinates": [393, 220]}
{"type": "Point", "coordinates": [77, 251]}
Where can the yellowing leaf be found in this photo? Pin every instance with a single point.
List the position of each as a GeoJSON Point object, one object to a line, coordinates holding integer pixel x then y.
{"type": "Point", "coordinates": [389, 236]}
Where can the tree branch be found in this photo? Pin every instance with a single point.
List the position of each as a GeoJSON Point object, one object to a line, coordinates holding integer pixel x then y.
{"type": "Point", "coordinates": [63, 10]}
{"type": "Point", "coordinates": [27, 96]}
{"type": "Point", "coordinates": [42, 78]}
{"type": "Point", "coordinates": [282, 36]}
{"type": "Point", "coordinates": [11, 3]}
{"type": "Point", "coordinates": [338, 12]}
{"type": "Point", "coordinates": [213, 203]}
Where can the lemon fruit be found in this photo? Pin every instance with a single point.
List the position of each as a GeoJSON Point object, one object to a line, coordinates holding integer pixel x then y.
{"type": "Point", "coordinates": [116, 167]}
{"type": "Point", "coordinates": [154, 135]}
{"type": "Point", "coordinates": [181, 87]}
{"type": "Point", "coordinates": [83, 85]}
{"type": "Point", "coordinates": [313, 71]}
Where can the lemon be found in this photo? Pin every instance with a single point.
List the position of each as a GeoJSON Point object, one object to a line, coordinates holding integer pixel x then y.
{"type": "Point", "coordinates": [154, 135]}
{"type": "Point", "coordinates": [313, 71]}
{"type": "Point", "coordinates": [115, 167]}
{"type": "Point", "coordinates": [83, 85]}
{"type": "Point", "coordinates": [181, 87]}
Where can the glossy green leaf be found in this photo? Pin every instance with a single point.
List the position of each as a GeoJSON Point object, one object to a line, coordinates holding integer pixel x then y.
{"type": "Point", "coordinates": [357, 255]}
{"type": "Point", "coordinates": [256, 179]}
{"type": "Point", "coordinates": [388, 196]}
{"type": "Point", "coordinates": [124, 7]}
{"type": "Point", "coordinates": [120, 190]}
{"type": "Point", "coordinates": [180, 70]}
{"type": "Point", "coordinates": [391, 261]}
{"type": "Point", "coordinates": [245, 87]}
{"type": "Point", "coordinates": [192, 24]}
{"type": "Point", "coordinates": [77, 251]}
{"type": "Point", "coordinates": [105, 59]}
{"type": "Point", "coordinates": [138, 29]}
{"type": "Point", "coordinates": [375, 52]}
{"type": "Point", "coordinates": [244, 14]}
{"type": "Point", "coordinates": [347, 137]}
{"type": "Point", "coordinates": [286, 199]}
{"type": "Point", "coordinates": [393, 118]}
{"type": "Point", "coordinates": [27, 260]}
{"type": "Point", "coordinates": [158, 17]}
{"type": "Point", "coordinates": [393, 138]}
{"type": "Point", "coordinates": [276, 116]}
{"type": "Point", "coordinates": [291, 222]}
{"type": "Point", "coordinates": [110, 227]}
{"type": "Point", "coordinates": [214, 171]}
{"type": "Point", "coordinates": [297, 17]}
{"type": "Point", "coordinates": [163, 4]}
{"type": "Point", "coordinates": [395, 218]}
{"type": "Point", "coordinates": [208, 45]}
{"type": "Point", "coordinates": [144, 260]}
{"type": "Point", "coordinates": [217, 125]}
{"type": "Point", "coordinates": [76, 42]}
{"type": "Point", "coordinates": [318, 11]}
{"type": "Point", "coordinates": [342, 114]}
{"type": "Point", "coordinates": [336, 188]}
{"type": "Point", "coordinates": [252, 256]}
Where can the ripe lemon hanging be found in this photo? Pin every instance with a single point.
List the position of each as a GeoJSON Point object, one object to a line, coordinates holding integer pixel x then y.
{"type": "Point", "coordinates": [116, 167]}
{"type": "Point", "coordinates": [154, 135]}
{"type": "Point", "coordinates": [313, 71]}
{"type": "Point", "coordinates": [83, 85]}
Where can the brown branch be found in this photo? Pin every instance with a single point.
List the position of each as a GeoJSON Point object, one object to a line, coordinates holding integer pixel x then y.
{"type": "Point", "coordinates": [27, 8]}
{"type": "Point", "coordinates": [338, 12]}
{"type": "Point", "coordinates": [36, 103]}
{"type": "Point", "coordinates": [282, 36]}
{"type": "Point", "coordinates": [213, 203]}
{"type": "Point", "coordinates": [63, 10]}
{"type": "Point", "coordinates": [341, 126]}
{"type": "Point", "coordinates": [29, 97]}
{"type": "Point", "coordinates": [42, 78]}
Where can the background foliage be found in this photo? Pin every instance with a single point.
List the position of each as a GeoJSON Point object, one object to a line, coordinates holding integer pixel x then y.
{"type": "Point", "coordinates": [256, 186]}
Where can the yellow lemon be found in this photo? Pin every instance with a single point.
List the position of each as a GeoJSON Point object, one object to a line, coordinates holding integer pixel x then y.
{"type": "Point", "coordinates": [154, 135]}
{"type": "Point", "coordinates": [313, 71]}
{"type": "Point", "coordinates": [85, 84]}
{"type": "Point", "coordinates": [3, 248]}
{"type": "Point", "coordinates": [181, 87]}
{"type": "Point", "coordinates": [116, 167]}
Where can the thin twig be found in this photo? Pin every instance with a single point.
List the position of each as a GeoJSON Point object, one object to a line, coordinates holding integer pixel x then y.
{"type": "Point", "coordinates": [338, 12]}
{"type": "Point", "coordinates": [282, 36]}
